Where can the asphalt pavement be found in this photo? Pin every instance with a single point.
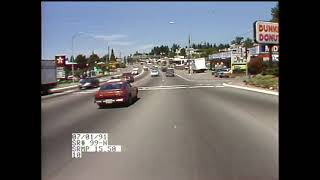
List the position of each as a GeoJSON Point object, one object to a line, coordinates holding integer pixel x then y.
{"type": "Point", "coordinates": [177, 129]}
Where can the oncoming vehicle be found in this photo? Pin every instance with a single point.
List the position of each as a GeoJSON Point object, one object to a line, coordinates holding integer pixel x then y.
{"type": "Point", "coordinates": [90, 82]}
{"type": "Point", "coordinates": [170, 72]}
{"type": "Point", "coordinates": [116, 92]}
{"type": "Point", "coordinates": [154, 72]}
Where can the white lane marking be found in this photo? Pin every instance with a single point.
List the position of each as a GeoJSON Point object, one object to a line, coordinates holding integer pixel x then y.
{"type": "Point", "coordinates": [200, 86]}
{"type": "Point", "coordinates": [169, 88]}
{"type": "Point", "coordinates": [220, 86]}
{"type": "Point", "coordinates": [182, 77]}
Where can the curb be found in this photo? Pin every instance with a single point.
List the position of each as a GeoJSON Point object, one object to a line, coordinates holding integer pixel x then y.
{"type": "Point", "coordinates": [57, 95]}
{"type": "Point", "coordinates": [252, 89]}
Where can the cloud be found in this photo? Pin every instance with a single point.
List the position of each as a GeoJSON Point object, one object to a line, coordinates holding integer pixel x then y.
{"type": "Point", "coordinates": [112, 37]}
{"type": "Point", "coordinates": [121, 43]}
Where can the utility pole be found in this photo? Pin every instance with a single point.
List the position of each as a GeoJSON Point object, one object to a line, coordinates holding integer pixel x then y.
{"type": "Point", "coordinates": [108, 53]}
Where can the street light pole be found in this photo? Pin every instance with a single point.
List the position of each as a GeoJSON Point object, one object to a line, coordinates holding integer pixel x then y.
{"type": "Point", "coordinates": [189, 53]}
{"type": "Point", "coordinates": [72, 65]}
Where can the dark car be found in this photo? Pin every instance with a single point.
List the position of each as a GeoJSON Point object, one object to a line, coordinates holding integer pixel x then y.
{"type": "Point", "coordinates": [170, 72]}
{"type": "Point", "coordinates": [225, 72]}
{"type": "Point", "coordinates": [116, 92]}
{"type": "Point", "coordinates": [90, 82]}
{"type": "Point", "coordinates": [128, 76]}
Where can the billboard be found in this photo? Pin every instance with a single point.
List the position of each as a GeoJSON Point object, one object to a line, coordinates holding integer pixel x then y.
{"type": "Point", "coordinates": [237, 58]}
{"type": "Point", "coordinates": [266, 32]}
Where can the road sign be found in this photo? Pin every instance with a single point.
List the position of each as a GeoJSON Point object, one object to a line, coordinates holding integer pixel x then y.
{"type": "Point", "coordinates": [61, 74]}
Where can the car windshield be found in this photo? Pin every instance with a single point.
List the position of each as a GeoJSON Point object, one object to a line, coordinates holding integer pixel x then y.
{"type": "Point", "coordinates": [111, 86]}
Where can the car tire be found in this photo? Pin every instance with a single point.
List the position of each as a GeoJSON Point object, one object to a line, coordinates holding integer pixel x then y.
{"type": "Point", "coordinates": [129, 102]}
{"type": "Point", "coordinates": [101, 106]}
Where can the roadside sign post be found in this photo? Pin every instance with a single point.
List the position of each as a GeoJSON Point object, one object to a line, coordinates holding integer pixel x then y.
{"type": "Point", "coordinates": [266, 33]}
{"type": "Point", "coordinates": [270, 46]}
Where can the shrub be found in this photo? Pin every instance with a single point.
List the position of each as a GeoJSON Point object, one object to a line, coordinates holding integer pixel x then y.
{"type": "Point", "coordinates": [255, 66]}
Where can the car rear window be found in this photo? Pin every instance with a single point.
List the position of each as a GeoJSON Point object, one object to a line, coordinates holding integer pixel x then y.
{"type": "Point", "coordinates": [126, 74]}
{"type": "Point", "coordinates": [86, 80]}
{"type": "Point", "coordinates": [111, 86]}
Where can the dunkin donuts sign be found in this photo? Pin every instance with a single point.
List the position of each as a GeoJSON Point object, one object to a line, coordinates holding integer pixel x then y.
{"type": "Point", "coordinates": [266, 32]}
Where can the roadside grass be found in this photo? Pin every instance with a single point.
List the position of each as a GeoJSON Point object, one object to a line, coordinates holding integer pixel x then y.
{"type": "Point", "coordinates": [263, 81]}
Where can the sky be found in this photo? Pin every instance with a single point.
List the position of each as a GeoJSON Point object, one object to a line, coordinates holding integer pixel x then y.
{"type": "Point", "coordinates": [128, 27]}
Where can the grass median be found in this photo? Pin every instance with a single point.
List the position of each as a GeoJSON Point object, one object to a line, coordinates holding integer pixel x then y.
{"type": "Point", "coordinates": [263, 81]}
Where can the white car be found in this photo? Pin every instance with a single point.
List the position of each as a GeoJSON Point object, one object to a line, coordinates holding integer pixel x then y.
{"type": "Point", "coordinates": [135, 71]}
{"type": "Point", "coordinates": [154, 72]}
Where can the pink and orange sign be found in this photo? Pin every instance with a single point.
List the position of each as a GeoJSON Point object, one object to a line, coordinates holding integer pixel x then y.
{"type": "Point", "coordinates": [266, 32]}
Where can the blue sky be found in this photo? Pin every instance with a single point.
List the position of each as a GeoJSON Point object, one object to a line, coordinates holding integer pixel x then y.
{"type": "Point", "coordinates": [128, 27]}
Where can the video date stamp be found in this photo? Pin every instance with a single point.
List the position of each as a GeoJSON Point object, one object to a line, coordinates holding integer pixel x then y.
{"type": "Point", "coordinates": [91, 142]}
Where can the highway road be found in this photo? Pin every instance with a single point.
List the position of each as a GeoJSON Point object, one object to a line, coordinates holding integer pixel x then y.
{"type": "Point", "coordinates": [178, 130]}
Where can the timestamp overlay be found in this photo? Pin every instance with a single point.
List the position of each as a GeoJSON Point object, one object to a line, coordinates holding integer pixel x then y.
{"type": "Point", "coordinates": [91, 142]}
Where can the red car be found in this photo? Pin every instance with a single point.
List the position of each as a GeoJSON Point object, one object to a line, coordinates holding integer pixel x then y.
{"type": "Point", "coordinates": [116, 91]}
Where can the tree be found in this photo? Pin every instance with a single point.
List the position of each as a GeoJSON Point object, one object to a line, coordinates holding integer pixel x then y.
{"type": "Point", "coordinates": [275, 13]}
{"type": "Point", "coordinates": [248, 43]}
{"type": "Point", "coordinates": [174, 47]}
{"type": "Point", "coordinates": [112, 58]}
{"type": "Point", "coordinates": [183, 52]}
{"type": "Point", "coordinates": [221, 46]}
{"type": "Point", "coordinates": [171, 54]}
{"type": "Point", "coordinates": [81, 60]}
{"type": "Point", "coordinates": [237, 41]}
{"type": "Point", "coordinates": [93, 59]}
